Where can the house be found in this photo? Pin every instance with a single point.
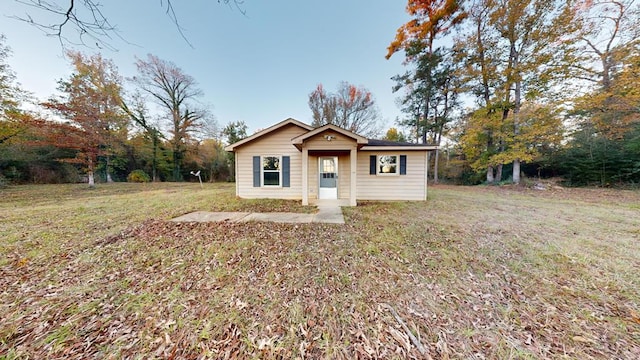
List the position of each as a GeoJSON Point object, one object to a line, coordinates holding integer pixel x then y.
{"type": "Point", "coordinates": [293, 160]}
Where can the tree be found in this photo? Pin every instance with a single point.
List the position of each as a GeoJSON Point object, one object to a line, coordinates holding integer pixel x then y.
{"type": "Point", "coordinates": [610, 35]}
{"type": "Point", "coordinates": [9, 91]}
{"type": "Point", "coordinates": [394, 135]}
{"type": "Point", "coordinates": [87, 19]}
{"type": "Point", "coordinates": [175, 92]}
{"type": "Point", "coordinates": [11, 96]}
{"type": "Point", "coordinates": [209, 155]}
{"type": "Point", "coordinates": [430, 96]}
{"type": "Point", "coordinates": [429, 93]}
{"type": "Point", "coordinates": [350, 107]}
{"type": "Point", "coordinates": [609, 32]}
{"type": "Point", "coordinates": [139, 115]}
{"type": "Point", "coordinates": [234, 132]}
{"type": "Point", "coordinates": [520, 50]}
{"type": "Point", "coordinates": [431, 19]}
{"type": "Point", "coordinates": [533, 31]}
{"type": "Point", "coordinates": [91, 106]}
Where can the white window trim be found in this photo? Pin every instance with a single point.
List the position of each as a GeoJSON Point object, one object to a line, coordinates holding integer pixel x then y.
{"type": "Point", "coordinates": [397, 173]}
{"type": "Point", "coordinates": [262, 184]}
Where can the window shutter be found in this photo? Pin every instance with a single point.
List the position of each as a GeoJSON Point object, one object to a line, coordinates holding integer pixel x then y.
{"type": "Point", "coordinates": [372, 165]}
{"type": "Point", "coordinates": [403, 164]}
{"type": "Point", "coordinates": [256, 171]}
{"type": "Point", "coordinates": [286, 170]}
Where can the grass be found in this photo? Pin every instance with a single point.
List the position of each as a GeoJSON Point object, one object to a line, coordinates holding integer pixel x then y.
{"type": "Point", "coordinates": [475, 272]}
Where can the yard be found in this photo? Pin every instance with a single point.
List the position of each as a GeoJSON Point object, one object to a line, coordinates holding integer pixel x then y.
{"type": "Point", "coordinates": [473, 273]}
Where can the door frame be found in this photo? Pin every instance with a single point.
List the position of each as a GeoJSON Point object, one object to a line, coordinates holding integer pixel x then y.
{"type": "Point", "coordinates": [328, 194]}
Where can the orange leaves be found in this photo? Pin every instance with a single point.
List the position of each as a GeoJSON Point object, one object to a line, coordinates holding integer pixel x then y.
{"type": "Point", "coordinates": [431, 18]}
{"type": "Point", "coordinates": [351, 107]}
{"type": "Point", "coordinates": [353, 91]}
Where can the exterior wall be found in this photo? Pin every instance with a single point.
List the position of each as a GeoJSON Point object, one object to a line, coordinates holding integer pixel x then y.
{"type": "Point", "coordinates": [369, 187]}
{"type": "Point", "coordinates": [313, 176]}
{"type": "Point", "coordinates": [412, 186]}
{"type": "Point", "coordinates": [339, 142]}
{"type": "Point", "coordinates": [275, 143]}
{"type": "Point", "coordinates": [344, 176]}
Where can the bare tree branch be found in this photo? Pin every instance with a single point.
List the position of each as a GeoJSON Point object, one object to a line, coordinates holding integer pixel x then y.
{"type": "Point", "coordinates": [86, 17]}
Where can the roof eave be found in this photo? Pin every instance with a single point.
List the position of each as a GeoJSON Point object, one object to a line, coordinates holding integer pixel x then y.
{"type": "Point", "coordinates": [399, 148]}
{"type": "Point", "coordinates": [301, 138]}
{"type": "Point", "coordinates": [277, 126]}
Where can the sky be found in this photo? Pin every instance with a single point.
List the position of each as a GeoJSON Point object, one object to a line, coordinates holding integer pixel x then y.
{"type": "Point", "coordinates": [258, 67]}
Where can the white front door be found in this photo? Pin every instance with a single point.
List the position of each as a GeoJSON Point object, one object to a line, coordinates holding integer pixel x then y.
{"type": "Point", "coordinates": [328, 178]}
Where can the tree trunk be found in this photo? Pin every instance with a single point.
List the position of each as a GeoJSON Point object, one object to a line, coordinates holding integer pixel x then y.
{"type": "Point", "coordinates": [154, 160]}
{"type": "Point", "coordinates": [499, 173]}
{"type": "Point", "coordinates": [92, 182]}
{"type": "Point", "coordinates": [516, 171]}
{"type": "Point", "coordinates": [435, 167]}
{"type": "Point", "coordinates": [177, 164]}
{"type": "Point", "coordinates": [109, 179]}
{"type": "Point", "coordinates": [516, 127]}
{"type": "Point", "coordinates": [490, 178]}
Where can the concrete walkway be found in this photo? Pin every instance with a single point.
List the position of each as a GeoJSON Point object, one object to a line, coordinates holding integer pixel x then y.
{"type": "Point", "coordinates": [328, 212]}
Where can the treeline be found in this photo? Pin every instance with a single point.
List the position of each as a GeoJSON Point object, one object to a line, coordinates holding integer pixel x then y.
{"type": "Point", "coordinates": [505, 88]}
{"type": "Point", "coordinates": [535, 87]}
{"type": "Point", "coordinates": [94, 130]}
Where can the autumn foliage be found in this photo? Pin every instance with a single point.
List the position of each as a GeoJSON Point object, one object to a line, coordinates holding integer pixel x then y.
{"type": "Point", "coordinates": [91, 105]}
{"type": "Point", "coordinates": [351, 107]}
{"type": "Point", "coordinates": [430, 17]}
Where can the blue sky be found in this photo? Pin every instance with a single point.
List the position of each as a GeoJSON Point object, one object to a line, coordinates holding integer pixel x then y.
{"type": "Point", "coordinates": [259, 67]}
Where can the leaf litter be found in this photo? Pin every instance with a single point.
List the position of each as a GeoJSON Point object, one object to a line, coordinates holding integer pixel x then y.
{"type": "Point", "coordinates": [459, 286]}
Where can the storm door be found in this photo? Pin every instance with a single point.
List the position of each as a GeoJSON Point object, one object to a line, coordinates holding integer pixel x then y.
{"type": "Point", "coordinates": [328, 178]}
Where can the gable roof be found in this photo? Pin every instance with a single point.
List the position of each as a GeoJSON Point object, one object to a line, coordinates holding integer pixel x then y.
{"type": "Point", "coordinates": [361, 140]}
{"type": "Point", "coordinates": [275, 127]}
{"type": "Point", "coordinates": [363, 143]}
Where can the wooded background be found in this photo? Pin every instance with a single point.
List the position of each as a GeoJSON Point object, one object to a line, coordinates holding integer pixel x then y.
{"type": "Point", "coordinates": [506, 88]}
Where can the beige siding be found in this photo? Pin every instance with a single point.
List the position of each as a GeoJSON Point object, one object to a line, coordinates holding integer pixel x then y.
{"type": "Point", "coordinates": [276, 143]}
{"type": "Point", "coordinates": [401, 187]}
{"type": "Point", "coordinates": [369, 187]}
{"type": "Point", "coordinates": [313, 177]}
{"type": "Point", "coordinates": [344, 176]}
{"type": "Point", "coordinates": [339, 142]}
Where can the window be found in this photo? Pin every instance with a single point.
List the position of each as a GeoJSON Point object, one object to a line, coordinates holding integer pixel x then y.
{"type": "Point", "coordinates": [388, 164]}
{"type": "Point", "coordinates": [271, 171]}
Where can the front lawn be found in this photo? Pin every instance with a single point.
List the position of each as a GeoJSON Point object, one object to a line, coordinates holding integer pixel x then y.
{"type": "Point", "coordinates": [473, 273]}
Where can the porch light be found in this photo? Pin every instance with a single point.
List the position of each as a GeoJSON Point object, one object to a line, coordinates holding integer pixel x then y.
{"type": "Point", "coordinates": [329, 137]}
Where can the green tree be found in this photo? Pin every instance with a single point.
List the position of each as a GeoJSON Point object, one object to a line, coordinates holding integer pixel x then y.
{"type": "Point", "coordinates": [138, 113]}
{"type": "Point", "coordinates": [429, 92]}
{"type": "Point", "coordinates": [234, 132]}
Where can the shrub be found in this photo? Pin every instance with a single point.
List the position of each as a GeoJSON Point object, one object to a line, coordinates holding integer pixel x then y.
{"type": "Point", "coordinates": [138, 176]}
